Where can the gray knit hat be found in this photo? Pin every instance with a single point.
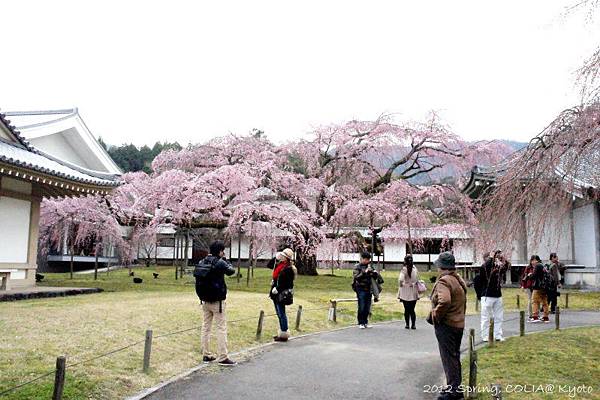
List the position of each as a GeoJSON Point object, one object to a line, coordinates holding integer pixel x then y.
{"type": "Point", "coordinates": [445, 261]}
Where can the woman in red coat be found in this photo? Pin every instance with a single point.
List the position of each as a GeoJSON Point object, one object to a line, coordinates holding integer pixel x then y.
{"type": "Point", "coordinates": [282, 287]}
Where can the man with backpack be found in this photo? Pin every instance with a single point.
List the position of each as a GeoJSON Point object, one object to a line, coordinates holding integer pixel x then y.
{"type": "Point", "coordinates": [542, 280]}
{"type": "Point", "coordinates": [212, 292]}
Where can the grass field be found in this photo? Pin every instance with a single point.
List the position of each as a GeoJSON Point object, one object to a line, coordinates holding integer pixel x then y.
{"type": "Point", "coordinates": [34, 332]}
{"type": "Point", "coordinates": [567, 360]}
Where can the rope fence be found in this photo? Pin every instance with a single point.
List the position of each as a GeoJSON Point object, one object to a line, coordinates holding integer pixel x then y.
{"type": "Point", "coordinates": [61, 366]}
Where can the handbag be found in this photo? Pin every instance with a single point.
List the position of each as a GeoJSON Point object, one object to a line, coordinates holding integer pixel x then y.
{"type": "Point", "coordinates": [286, 297]}
{"type": "Point", "coordinates": [421, 288]}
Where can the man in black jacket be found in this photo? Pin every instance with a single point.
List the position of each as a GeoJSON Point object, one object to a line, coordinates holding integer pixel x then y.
{"type": "Point", "coordinates": [212, 292]}
{"type": "Point", "coordinates": [363, 277]}
{"type": "Point", "coordinates": [490, 274]}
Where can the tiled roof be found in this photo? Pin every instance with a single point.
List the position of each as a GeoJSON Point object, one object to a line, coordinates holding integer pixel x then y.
{"type": "Point", "coordinates": [20, 157]}
{"type": "Point", "coordinates": [15, 133]}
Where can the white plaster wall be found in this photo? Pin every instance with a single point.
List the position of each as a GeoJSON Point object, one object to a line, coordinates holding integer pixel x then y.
{"type": "Point", "coordinates": [14, 230]}
{"type": "Point", "coordinates": [57, 146]}
{"type": "Point", "coordinates": [395, 251]}
{"type": "Point", "coordinates": [555, 238]}
{"type": "Point", "coordinates": [463, 251]}
{"type": "Point", "coordinates": [167, 252]}
{"type": "Point", "coordinates": [586, 236]}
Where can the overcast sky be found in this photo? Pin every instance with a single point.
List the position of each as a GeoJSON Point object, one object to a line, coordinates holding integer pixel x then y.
{"type": "Point", "coordinates": [186, 71]}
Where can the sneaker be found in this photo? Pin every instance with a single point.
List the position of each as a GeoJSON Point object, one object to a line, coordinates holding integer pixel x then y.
{"type": "Point", "coordinates": [535, 320]}
{"type": "Point", "coordinates": [407, 327]}
{"type": "Point", "coordinates": [413, 327]}
{"type": "Point", "coordinates": [368, 326]}
{"type": "Point", "coordinates": [227, 363]}
{"type": "Point", "coordinates": [361, 326]}
{"type": "Point", "coordinates": [208, 359]}
{"type": "Point", "coordinates": [375, 299]}
{"type": "Point", "coordinates": [280, 339]}
{"type": "Point", "coordinates": [546, 320]}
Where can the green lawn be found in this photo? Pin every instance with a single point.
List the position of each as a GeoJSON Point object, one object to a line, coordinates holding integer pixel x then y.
{"type": "Point", "coordinates": [568, 358]}
{"type": "Point", "coordinates": [34, 332]}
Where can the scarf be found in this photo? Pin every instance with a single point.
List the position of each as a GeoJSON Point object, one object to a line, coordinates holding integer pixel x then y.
{"type": "Point", "coordinates": [279, 268]}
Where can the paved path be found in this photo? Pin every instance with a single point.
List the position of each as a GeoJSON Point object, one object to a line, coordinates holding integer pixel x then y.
{"type": "Point", "coordinates": [385, 362]}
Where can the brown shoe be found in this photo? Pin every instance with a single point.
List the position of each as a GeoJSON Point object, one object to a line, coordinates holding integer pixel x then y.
{"type": "Point", "coordinates": [281, 339]}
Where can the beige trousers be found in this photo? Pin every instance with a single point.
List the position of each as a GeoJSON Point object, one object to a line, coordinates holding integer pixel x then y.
{"type": "Point", "coordinates": [211, 312]}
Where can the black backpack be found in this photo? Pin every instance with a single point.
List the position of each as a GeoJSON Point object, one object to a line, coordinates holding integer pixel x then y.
{"type": "Point", "coordinates": [547, 282]}
{"type": "Point", "coordinates": [210, 286]}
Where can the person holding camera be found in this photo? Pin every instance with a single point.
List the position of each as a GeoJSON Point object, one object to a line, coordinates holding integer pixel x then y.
{"type": "Point", "coordinates": [282, 287]}
{"type": "Point", "coordinates": [212, 292]}
{"type": "Point", "coordinates": [363, 277]}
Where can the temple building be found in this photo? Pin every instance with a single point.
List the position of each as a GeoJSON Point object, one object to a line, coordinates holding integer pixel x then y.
{"type": "Point", "coordinates": [55, 156]}
{"type": "Point", "coordinates": [577, 244]}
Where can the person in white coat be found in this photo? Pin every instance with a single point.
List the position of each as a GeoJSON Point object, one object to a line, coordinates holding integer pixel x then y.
{"type": "Point", "coordinates": [408, 293]}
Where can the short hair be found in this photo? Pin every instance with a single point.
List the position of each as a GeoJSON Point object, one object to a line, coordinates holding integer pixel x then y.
{"type": "Point", "coordinates": [216, 248]}
{"type": "Point", "coordinates": [535, 257]}
{"type": "Point", "coordinates": [552, 255]}
{"type": "Point", "coordinates": [365, 254]}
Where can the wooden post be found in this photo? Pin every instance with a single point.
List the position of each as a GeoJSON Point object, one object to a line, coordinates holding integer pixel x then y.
{"type": "Point", "coordinates": [557, 318]}
{"type": "Point", "coordinates": [239, 260]}
{"type": "Point", "coordinates": [298, 317]}
{"type": "Point", "coordinates": [522, 323]}
{"type": "Point", "coordinates": [259, 328]}
{"type": "Point", "coordinates": [333, 311]}
{"type": "Point", "coordinates": [476, 304]}
{"type": "Point", "coordinates": [59, 378]}
{"type": "Point", "coordinates": [497, 391]}
{"type": "Point", "coordinates": [566, 300]}
{"type": "Point", "coordinates": [175, 255]}
{"type": "Point", "coordinates": [491, 333]}
{"type": "Point", "coordinates": [147, 350]}
{"type": "Point", "coordinates": [473, 374]}
{"type": "Point", "coordinates": [518, 302]}
{"type": "Point", "coordinates": [472, 339]}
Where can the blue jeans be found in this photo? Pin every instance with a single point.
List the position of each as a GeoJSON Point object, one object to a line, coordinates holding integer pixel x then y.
{"type": "Point", "coordinates": [364, 306]}
{"type": "Point", "coordinates": [281, 315]}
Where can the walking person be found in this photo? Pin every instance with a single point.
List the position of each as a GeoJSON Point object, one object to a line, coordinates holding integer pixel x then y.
{"type": "Point", "coordinates": [408, 293]}
{"type": "Point", "coordinates": [491, 274]}
{"type": "Point", "coordinates": [282, 293]}
{"type": "Point", "coordinates": [449, 304]}
{"type": "Point", "coordinates": [556, 269]}
{"type": "Point", "coordinates": [362, 283]}
{"type": "Point", "coordinates": [539, 295]}
{"type": "Point", "coordinates": [527, 285]}
{"type": "Point", "coordinates": [212, 292]}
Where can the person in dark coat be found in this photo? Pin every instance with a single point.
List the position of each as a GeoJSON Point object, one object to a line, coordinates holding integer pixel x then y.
{"type": "Point", "coordinates": [283, 275]}
{"type": "Point", "coordinates": [363, 278]}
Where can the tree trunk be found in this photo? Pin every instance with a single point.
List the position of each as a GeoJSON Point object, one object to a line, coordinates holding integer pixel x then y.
{"type": "Point", "coordinates": [72, 255]}
{"type": "Point", "coordinates": [410, 248]}
{"type": "Point", "coordinates": [251, 261]}
{"type": "Point", "coordinates": [176, 255]}
{"type": "Point", "coordinates": [239, 260]}
{"type": "Point", "coordinates": [96, 263]}
{"type": "Point", "coordinates": [306, 263]}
